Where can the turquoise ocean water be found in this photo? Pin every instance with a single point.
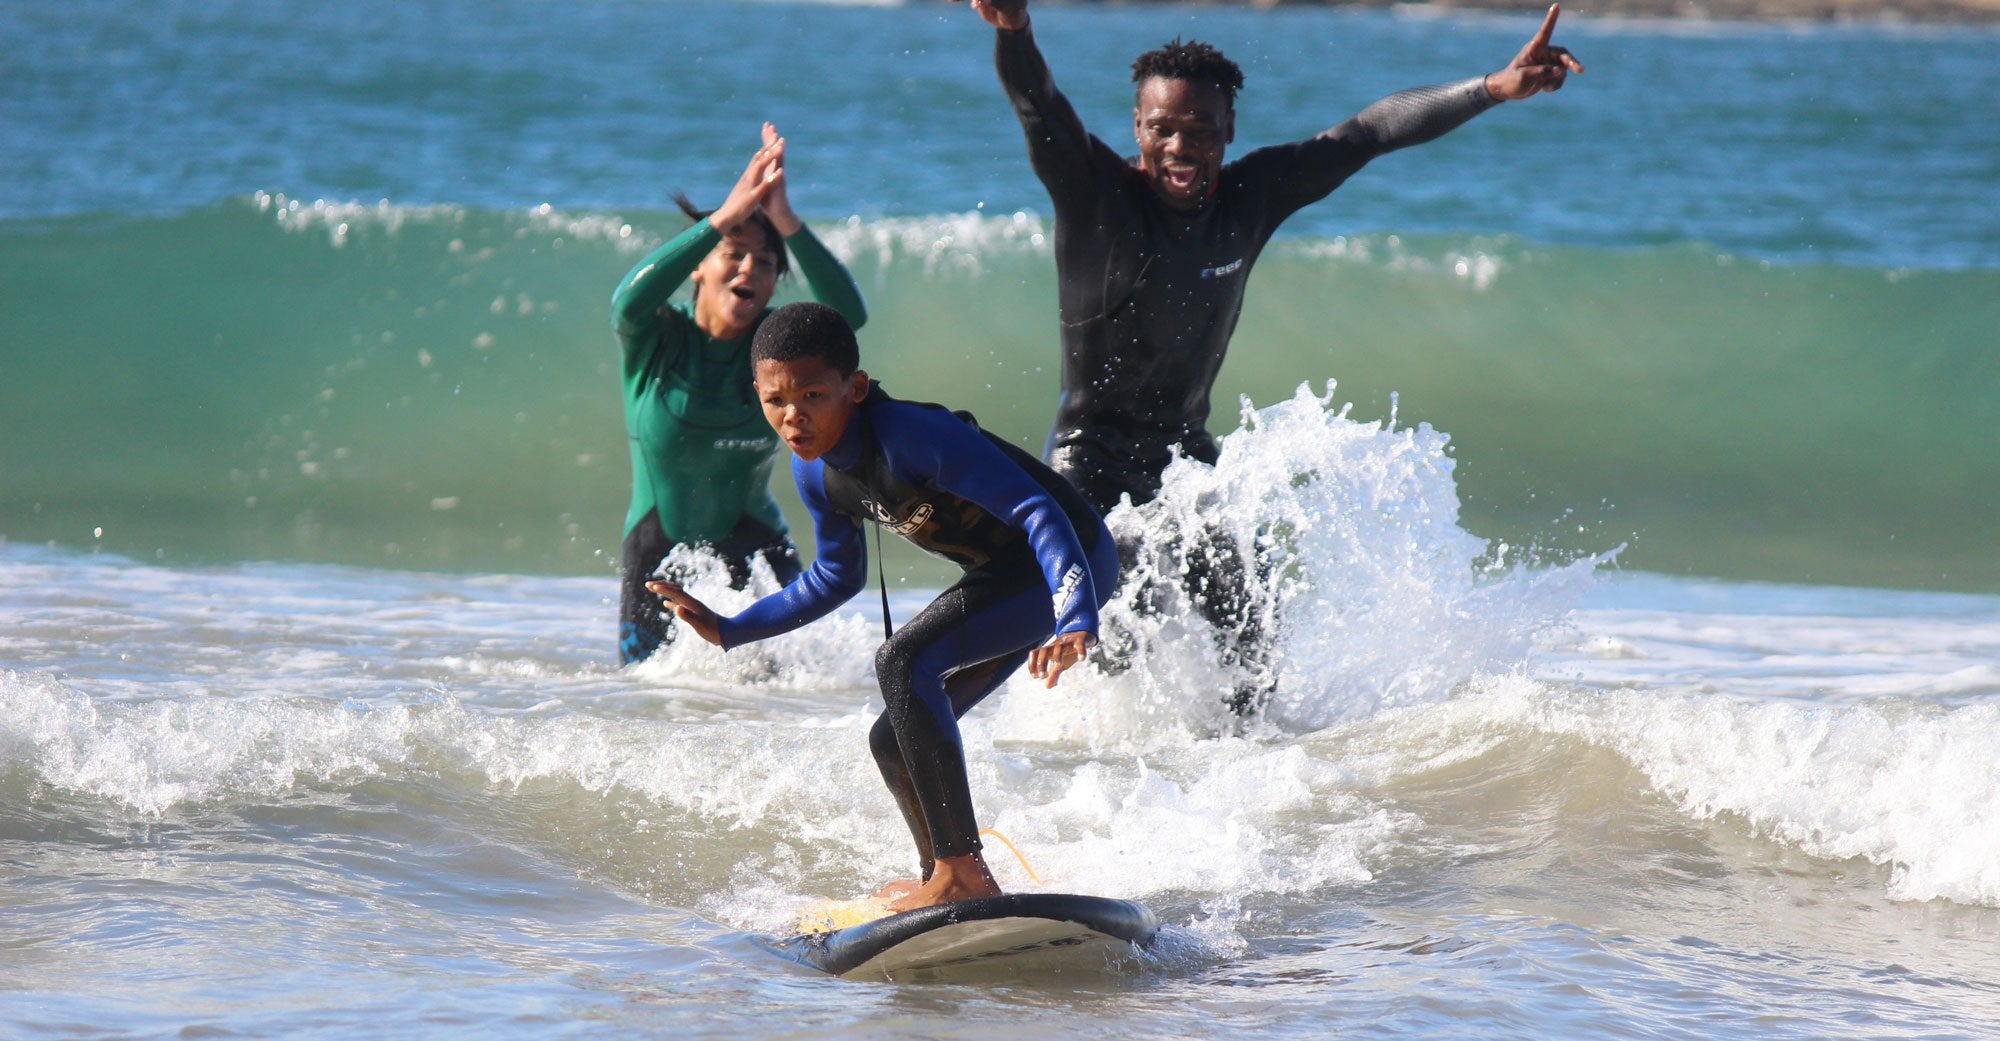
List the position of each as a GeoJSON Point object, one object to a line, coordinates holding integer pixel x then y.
{"type": "Point", "coordinates": [1635, 670]}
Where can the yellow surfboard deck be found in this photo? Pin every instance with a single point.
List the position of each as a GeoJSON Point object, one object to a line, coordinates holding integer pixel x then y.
{"type": "Point", "coordinates": [828, 916]}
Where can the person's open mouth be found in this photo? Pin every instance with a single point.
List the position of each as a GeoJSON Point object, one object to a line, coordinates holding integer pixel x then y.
{"type": "Point", "coordinates": [1180, 176]}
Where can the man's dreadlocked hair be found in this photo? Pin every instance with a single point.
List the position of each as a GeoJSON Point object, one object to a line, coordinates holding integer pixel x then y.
{"type": "Point", "coordinates": [1193, 61]}
{"type": "Point", "coordinates": [757, 217]}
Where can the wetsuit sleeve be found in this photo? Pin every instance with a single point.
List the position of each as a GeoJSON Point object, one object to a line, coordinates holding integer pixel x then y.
{"type": "Point", "coordinates": [827, 277]}
{"type": "Point", "coordinates": [934, 446]}
{"type": "Point", "coordinates": [636, 303]}
{"type": "Point", "coordinates": [839, 570]}
{"type": "Point", "coordinates": [1070, 161]}
{"type": "Point", "coordinates": [1304, 172]}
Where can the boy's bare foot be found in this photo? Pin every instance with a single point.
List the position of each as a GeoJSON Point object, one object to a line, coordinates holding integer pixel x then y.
{"type": "Point", "coordinates": [954, 878]}
{"type": "Point", "coordinates": [898, 888]}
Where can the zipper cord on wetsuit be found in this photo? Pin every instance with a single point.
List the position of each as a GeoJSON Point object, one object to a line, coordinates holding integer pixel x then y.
{"type": "Point", "coordinates": [887, 632]}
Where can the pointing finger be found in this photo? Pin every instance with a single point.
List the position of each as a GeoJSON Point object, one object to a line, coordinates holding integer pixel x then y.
{"type": "Point", "coordinates": [1548, 28]}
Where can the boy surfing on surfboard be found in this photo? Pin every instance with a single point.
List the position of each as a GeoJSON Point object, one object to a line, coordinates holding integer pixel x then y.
{"type": "Point", "coordinates": [1038, 564]}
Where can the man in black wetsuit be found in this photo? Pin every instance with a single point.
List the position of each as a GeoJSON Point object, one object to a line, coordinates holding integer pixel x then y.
{"type": "Point", "coordinates": [1152, 255]}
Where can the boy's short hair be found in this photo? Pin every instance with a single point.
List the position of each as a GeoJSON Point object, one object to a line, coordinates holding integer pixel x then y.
{"type": "Point", "coordinates": [807, 330]}
{"type": "Point", "coordinates": [1194, 61]}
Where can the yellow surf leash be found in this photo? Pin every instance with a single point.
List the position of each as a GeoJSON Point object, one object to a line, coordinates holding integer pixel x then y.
{"type": "Point", "coordinates": [1032, 877]}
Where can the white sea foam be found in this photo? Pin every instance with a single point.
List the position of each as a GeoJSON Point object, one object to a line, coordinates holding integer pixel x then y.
{"type": "Point", "coordinates": [1477, 263]}
{"type": "Point", "coordinates": [1902, 783]}
{"type": "Point", "coordinates": [943, 244]}
{"type": "Point", "coordinates": [1373, 594]}
{"type": "Point", "coordinates": [341, 219]}
{"type": "Point", "coordinates": [1846, 724]}
{"type": "Point", "coordinates": [153, 758]}
{"type": "Point", "coordinates": [834, 652]}
{"type": "Point", "coordinates": [1390, 613]}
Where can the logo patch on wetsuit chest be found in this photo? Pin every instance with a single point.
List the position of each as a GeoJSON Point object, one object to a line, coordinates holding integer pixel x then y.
{"type": "Point", "coordinates": [888, 520]}
{"type": "Point", "coordinates": [1223, 270]}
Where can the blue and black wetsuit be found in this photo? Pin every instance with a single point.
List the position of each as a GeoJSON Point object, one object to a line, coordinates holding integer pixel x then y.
{"type": "Point", "coordinates": [1038, 562]}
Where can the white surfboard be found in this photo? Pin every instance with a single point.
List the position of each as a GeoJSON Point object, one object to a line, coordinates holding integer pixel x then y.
{"type": "Point", "coordinates": [976, 932]}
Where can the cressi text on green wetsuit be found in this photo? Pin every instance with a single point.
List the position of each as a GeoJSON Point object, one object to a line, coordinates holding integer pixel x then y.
{"type": "Point", "coordinates": [701, 450]}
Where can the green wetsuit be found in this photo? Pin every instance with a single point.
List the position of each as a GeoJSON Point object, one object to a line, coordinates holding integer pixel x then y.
{"type": "Point", "coordinates": [701, 450]}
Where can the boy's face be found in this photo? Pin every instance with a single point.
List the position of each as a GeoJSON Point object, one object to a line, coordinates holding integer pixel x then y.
{"type": "Point", "coordinates": [808, 402]}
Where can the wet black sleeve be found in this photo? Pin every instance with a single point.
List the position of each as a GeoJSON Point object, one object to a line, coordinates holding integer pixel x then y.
{"type": "Point", "coordinates": [1071, 162]}
{"type": "Point", "coordinates": [1304, 172]}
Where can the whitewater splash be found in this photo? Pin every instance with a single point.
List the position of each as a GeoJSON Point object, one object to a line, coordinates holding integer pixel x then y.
{"type": "Point", "coordinates": [1368, 592]}
{"type": "Point", "coordinates": [1856, 726]}
{"type": "Point", "coordinates": [1899, 784]}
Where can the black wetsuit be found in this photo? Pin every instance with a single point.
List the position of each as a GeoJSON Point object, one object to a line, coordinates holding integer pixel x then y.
{"type": "Point", "coordinates": [1148, 295]}
{"type": "Point", "coordinates": [1037, 561]}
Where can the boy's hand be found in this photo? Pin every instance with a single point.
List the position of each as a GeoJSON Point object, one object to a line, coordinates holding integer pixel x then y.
{"type": "Point", "coordinates": [693, 612]}
{"type": "Point", "coordinates": [1052, 659]}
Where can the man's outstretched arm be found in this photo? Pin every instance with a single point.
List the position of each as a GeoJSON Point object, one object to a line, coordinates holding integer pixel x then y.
{"type": "Point", "coordinates": [1421, 114]}
{"type": "Point", "coordinates": [1064, 154]}
{"type": "Point", "coordinates": [1412, 117]}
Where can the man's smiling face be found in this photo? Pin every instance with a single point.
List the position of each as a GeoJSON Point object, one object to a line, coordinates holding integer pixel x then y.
{"type": "Point", "coordinates": [1183, 128]}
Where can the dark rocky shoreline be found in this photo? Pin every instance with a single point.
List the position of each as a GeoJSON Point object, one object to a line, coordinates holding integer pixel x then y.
{"type": "Point", "coordinates": [1898, 11]}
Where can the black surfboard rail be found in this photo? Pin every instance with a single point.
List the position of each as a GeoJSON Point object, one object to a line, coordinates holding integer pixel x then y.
{"type": "Point", "coordinates": [843, 950]}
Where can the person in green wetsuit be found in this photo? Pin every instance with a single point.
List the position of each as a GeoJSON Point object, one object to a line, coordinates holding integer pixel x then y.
{"type": "Point", "coordinates": [701, 451]}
